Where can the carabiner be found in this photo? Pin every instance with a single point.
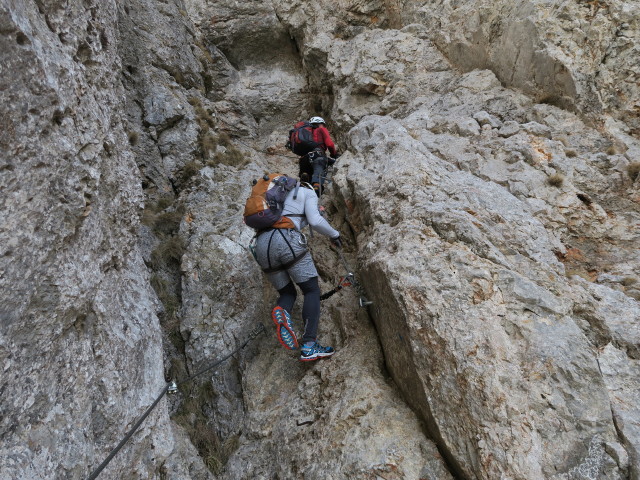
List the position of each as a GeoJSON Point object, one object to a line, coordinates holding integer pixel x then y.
{"type": "Point", "coordinates": [302, 239]}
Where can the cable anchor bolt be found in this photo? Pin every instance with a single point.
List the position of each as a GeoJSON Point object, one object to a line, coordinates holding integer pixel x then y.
{"type": "Point", "coordinates": [364, 302]}
{"type": "Point", "coordinates": [256, 331]}
{"type": "Point", "coordinates": [173, 387]}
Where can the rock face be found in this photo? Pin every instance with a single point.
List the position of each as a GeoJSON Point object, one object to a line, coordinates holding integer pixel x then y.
{"type": "Point", "coordinates": [577, 55]}
{"type": "Point", "coordinates": [488, 196]}
{"type": "Point", "coordinates": [80, 344]}
{"type": "Point", "coordinates": [489, 326]}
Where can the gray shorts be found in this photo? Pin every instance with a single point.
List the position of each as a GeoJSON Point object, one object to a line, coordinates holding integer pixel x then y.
{"type": "Point", "coordinates": [272, 246]}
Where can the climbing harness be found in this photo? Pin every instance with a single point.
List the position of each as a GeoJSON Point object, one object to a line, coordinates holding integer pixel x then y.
{"type": "Point", "coordinates": [308, 160]}
{"type": "Point", "coordinates": [293, 261]}
{"type": "Point", "coordinates": [172, 387]}
{"type": "Point", "coordinates": [302, 241]}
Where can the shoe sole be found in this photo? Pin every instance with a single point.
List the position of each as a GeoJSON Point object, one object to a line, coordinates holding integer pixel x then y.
{"type": "Point", "coordinates": [282, 325]}
{"type": "Point", "coordinates": [318, 356]}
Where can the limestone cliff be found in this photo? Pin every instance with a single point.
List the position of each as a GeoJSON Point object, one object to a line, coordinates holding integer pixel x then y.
{"type": "Point", "coordinates": [488, 196]}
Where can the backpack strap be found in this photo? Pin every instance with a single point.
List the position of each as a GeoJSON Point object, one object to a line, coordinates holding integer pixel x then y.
{"type": "Point", "coordinates": [288, 244]}
{"type": "Point", "coordinates": [295, 197]}
{"type": "Point", "coordinates": [269, 248]}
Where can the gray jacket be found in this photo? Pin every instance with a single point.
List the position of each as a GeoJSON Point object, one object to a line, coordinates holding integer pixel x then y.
{"type": "Point", "coordinates": [306, 204]}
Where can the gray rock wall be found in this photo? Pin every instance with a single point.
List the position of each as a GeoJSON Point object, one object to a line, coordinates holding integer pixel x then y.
{"type": "Point", "coordinates": [486, 196]}
{"type": "Point", "coordinates": [577, 55]}
{"type": "Point", "coordinates": [544, 239]}
{"type": "Point", "coordinates": [80, 343]}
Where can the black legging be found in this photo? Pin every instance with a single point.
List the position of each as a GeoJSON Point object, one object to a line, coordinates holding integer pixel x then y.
{"type": "Point", "coordinates": [310, 307]}
{"type": "Point", "coordinates": [314, 165]}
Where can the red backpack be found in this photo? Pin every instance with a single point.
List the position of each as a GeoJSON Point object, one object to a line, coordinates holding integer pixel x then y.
{"type": "Point", "coordinates": [301, 139]}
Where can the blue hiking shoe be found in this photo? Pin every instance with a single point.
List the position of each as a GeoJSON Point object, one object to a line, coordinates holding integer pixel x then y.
{"type": "Point", "coordinates": [284, 330]}
{"type": "Point", "coordinates": [314, 352]}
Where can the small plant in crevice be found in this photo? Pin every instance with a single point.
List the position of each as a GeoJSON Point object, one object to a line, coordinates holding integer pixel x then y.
{"type": "Point", "coordinates": [133, 138]}
{"type": "Point", "coordinates": [570, 153]}
{"type": "Point", "coordinates": [178, 76]}
{"type": "Point", "coordinates": [168, 253]}
{"type": "Point", "coordinates": [207, 141]}
{"type": "Point", "coordinates": [163, 218]}
{"type": "Point", "coordinates": [167, 222]}
{"type": "Point", "coordinates": [191, 416]}
{"type": "Point", "coordinates": [208, 144]}
{"type": "Point", "coordinates": [205, 51]}
{"type": "Point", "coordinates": [224, 140]}
{"type": "Point", "coordinates": [611, 150]}
{"type": "Point", "coordinates": [166, 282]}
{"type": "Point", "coordinates": [189, 170]}
{"type": "Point", "coordinates": [231, 156]}
{"type": "Point", "coordinates": [214, 148]}
{"type": "Point", "coordinates": [164, 202]}
{"type": "Point", "coordinates": [633, 169]}
{"type": "Point", "coordinates": [169, 299]}
{"type": "Point", "coordinates": [587, 275]}
{"type": "Point", "coordinates": [203, 118]}
{"type": "Point", "coordinates": [555, 180]}
{"type": "Point", "coordinates": [154, 208]}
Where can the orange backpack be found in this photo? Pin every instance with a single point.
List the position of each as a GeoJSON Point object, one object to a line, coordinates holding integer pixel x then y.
{"type": "Point", "coordinates": [263, 208]}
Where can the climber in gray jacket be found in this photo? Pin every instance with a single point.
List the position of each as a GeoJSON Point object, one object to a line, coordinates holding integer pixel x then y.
{"type": "Point", "coordinates": [283, 255]}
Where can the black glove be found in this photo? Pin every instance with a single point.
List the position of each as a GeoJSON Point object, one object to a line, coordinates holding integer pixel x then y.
{"type": "Point", "coordinates": [337, 155]}
{"type": "Point", "coordinates": [336, 241]}
{"type": "Point", "coordinates": [331, 161]}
